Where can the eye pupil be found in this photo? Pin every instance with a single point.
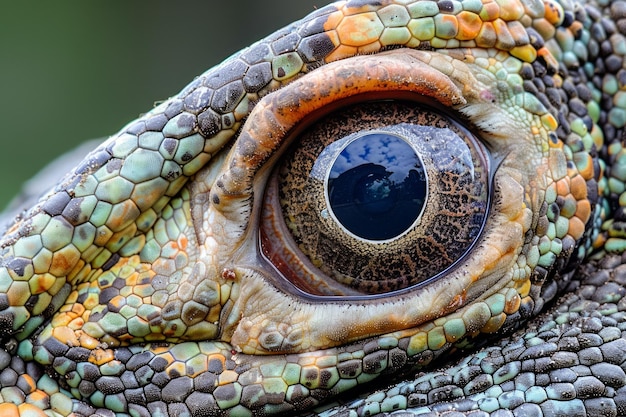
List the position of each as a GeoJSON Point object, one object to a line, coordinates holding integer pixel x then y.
{"type": "Point", "coordinates": [374, 194]}
{"type": "Point", "coordinates": [376, 186]}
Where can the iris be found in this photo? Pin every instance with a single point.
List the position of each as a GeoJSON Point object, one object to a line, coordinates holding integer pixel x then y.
{"type": "Point", "coordinates": [375, 197]}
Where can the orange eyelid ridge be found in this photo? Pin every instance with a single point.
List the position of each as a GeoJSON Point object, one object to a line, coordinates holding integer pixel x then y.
{"type": "Point", "coordinates": [400, 71]}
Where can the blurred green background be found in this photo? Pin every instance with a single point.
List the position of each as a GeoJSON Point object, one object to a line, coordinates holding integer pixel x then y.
{"type": "Point", "coordinates": [75, 70]}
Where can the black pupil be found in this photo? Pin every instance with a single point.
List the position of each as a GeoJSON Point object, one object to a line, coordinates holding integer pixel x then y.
{"type": "Point", "coordinates": [377, 186]}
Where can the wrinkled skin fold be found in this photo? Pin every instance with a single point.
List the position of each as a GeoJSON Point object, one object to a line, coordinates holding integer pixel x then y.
{"type": "Point", "coordinates": [198, 263]}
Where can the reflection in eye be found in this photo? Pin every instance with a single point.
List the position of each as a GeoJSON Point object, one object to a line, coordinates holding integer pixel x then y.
{"type": "Point", "coordinates": [376, 185]}
{"type": "Point", "coordinates": [365, 205]}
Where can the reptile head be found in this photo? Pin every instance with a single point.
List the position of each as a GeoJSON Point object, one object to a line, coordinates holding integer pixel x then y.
{"type": "Point", "coordinates": [353, 198]}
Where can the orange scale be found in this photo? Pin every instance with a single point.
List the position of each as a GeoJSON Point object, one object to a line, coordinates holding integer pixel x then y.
{"type": "Point", "coordinates": [86, 316]}
{"type": "Point", "coordinates": [228, 377]}
{"type": "Point", "coordinates": [554, 13]}
{"type": "Point", "coordinates": [37, 398]}
{"type": "Point", "coordinates": [571, 171]}
{"type": "Point", "coordinates": [526, 53]}
{"type": "Point", "coordinates": [360, 29]}
{"type": "Point", "coordinates": [550, 60]}
{"type": "Point", "coordinates": [549, 122]}
{"type": "Point", "coordinates": [131, 279]}
{"type": "Point", "coordinates": [65, 308]}
{"type": "Point", "coordinates": [78, 309]}
{"type": "Point", "coordinates": [118, 301]}
{"type": "Point", "coordinates": [505, 40]}
{"type": "Point", "coordinates": [64, 260]}
{"type": "Point", "coordinates": [76, 324]}
{"type": "Point", "coordinates": [487, 36]}
{"type": "Point", "coordinates": [65, 335]}
{"type": "Point", "coordinates": [26, 380]}
{"type": "Point", "coordinates": [214, 357]}
{"type": "Point", "coordinates": [512, 305]}
{"type": "Point", "coordinates": [583, 210]}
{"type": "Point", "coordinates": [599, 241]}
{"type": "Point", "coordinates": [494, 324]}
{"type": "Point", "coordinates": [9, 410]}
{"type": "Point", "coordinates": [545, 28]}
{"type": "Point", "coordinates": [523, 288]}
{"type": "Point", "coordinates": [26, 410]}
{"type": "Point", "coordinates": [576, 27]}
{"type": "Point", "coordinates": [80, 273]}
{"type": "Point", "coordinates": [511, 9]}
{"type": "Point", "coordinates": [88, 342]}
{"type": "Point", "coordinates": [562, 186]}
{"type": "Point", "coordinates": [182, 242]}
{"type": "Point", "coordinates": [41, 283]}
{"type": "Point", "coordinates": [176, 368]}
{"type": "Point", "coordinates": [101, 356]}
{"type": "Point", "coordinates": [489, 12]}
{"type": "Point", "coordinates": [73, 297]}
{"type": "Point", "coordinates": [122, 216]}
{"type": "Point", "coordinates": [342, 51]}
{"type": "Point", "coordinates": [576, 228]}
{"type": "Point", "coordinates": [91, 301]}
{"type": "Point", "coordinates": [61, 320]}
{"type": "Point", "coordinates": [333, 20]}
{"type": "Point", "coordinates": [578, 187]}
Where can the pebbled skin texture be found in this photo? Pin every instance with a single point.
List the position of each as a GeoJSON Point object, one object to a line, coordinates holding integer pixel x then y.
{"type": "Point", "coordinates": [155, 277]}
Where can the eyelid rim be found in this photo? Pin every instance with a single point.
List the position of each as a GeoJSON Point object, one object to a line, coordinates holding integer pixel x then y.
{"type": "Point", "coordinates": [399, 71]}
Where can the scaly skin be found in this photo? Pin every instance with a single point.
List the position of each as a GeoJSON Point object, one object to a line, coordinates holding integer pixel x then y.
{"type": "Point", "coordinates": [156, 277]}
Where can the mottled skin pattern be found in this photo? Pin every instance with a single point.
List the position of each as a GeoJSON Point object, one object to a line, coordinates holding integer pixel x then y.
{"type": "Point", "coordinates": [158, 276]}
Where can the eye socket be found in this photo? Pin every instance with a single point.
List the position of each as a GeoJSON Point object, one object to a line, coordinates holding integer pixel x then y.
{"type": "Point", "coordinates": [375, 198]}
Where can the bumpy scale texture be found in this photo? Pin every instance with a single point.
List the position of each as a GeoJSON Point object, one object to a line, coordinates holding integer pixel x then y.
{"type": "Point", "coordinates": [141, 285]}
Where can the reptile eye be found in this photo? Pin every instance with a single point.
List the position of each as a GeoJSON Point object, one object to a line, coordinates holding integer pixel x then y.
{"type": "Point", "coordinates": [366, 205]}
